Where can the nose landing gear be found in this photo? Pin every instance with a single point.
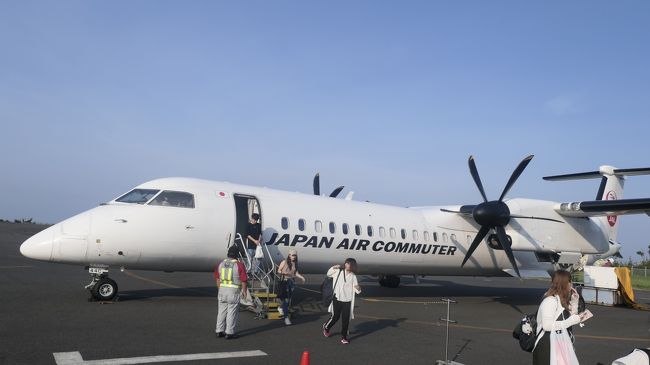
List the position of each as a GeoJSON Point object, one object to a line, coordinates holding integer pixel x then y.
{"type": "Point", "coordinates": [102, 288]}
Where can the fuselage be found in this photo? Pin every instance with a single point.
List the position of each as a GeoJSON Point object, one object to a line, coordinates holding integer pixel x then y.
{"type": "Point", "coordinates": [192, 229]}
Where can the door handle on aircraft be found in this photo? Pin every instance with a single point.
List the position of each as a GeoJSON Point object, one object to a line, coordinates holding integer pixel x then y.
{"type": "Point", "coordinates": [121, 220]}
{"type": "Point", "coordinates": [189, 227]}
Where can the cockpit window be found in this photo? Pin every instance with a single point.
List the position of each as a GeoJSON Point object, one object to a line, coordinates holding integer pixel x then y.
{"type": "Point", "coordinates": [137, 196]}
{"type": "Point", "coordinates": [174, 199]}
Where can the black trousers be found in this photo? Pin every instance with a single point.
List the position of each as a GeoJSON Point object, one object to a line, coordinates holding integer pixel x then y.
{"type": "Point", "coordinates": [340, 308]}
{"type": "Point", "coordinates": [542, 353]}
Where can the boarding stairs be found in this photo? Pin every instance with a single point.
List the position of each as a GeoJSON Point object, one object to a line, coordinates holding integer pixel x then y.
{"type": "Point", "coordinates": [262, 296]}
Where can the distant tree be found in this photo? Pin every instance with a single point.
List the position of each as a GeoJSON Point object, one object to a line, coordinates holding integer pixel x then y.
{"type": "Point", "coordinates": [649, 250]}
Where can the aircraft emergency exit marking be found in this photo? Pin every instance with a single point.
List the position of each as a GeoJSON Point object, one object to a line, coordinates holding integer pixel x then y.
{"type": "Point", "coordinates": [360, 244]}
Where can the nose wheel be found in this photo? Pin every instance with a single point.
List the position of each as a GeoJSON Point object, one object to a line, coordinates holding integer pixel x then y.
{"type": "Point", "coordinates": [102, 288]}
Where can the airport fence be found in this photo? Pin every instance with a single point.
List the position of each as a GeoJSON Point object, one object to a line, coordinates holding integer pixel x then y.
{"type": "Point", "coordinates": [639, 271]}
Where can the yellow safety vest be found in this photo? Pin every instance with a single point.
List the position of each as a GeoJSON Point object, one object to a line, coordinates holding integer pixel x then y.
{"type": "Point", "coordinates": [226, 270]}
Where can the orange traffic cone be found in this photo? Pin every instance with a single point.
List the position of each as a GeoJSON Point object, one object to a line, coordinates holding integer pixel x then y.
{"type": "Point", "coordinates": [305, 358]}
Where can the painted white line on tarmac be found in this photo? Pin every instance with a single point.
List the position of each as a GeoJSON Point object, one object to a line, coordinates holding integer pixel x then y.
{"type": "Point", "coordinates": [74, 358]}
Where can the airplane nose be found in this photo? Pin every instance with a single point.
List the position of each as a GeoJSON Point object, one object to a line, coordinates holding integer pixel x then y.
{"type": "Point", "coordinates": [39, 246]}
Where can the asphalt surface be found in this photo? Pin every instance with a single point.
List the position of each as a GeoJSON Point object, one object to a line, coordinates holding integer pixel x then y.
{"type": "Point", "coordinates": [44, 310]}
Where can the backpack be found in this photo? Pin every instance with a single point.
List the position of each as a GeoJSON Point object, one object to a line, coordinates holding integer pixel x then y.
{"type": "Point", "coordinates": [327, 289]}
{"type": "Point", "coordinates": [526, 332]}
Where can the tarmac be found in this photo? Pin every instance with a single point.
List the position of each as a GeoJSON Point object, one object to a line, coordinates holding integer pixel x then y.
{"type": "Point", "coordinates": [169, 318]}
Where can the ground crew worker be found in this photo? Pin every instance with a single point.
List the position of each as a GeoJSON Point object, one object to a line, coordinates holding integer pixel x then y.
{"type": "Point", "coordinates": [231, 280]}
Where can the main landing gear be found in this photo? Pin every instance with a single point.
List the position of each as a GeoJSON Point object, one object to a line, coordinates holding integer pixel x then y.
{"type": "Point", "coordinates": [102, 288]}
{"type": "Point", "coordinates": [389, 281]}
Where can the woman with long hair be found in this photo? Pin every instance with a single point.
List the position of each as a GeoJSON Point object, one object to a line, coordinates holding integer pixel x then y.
{"type": "Point", "coordinates": [557, 313]}
{"type": "Point", "coordinates": [345, 287]}
{"type": "Point", "coordinates": [288, 270]}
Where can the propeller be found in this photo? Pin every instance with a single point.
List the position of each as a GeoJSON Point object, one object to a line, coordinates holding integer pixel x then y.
{"type": "Point", "coordinates": [333, 194]}
{"type": "Point", "coordinates": [494, 214]}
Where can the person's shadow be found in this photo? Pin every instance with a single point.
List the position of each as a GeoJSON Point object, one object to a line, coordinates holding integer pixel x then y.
{"type": "Point", "coordinates": [368, 327]}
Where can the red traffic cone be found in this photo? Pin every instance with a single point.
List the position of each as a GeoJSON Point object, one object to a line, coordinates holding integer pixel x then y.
{"type": "Point", "coordinates": [304, 360]}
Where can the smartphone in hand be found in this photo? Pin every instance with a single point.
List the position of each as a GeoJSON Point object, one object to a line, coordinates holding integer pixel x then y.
{"type": "Point", "coordinates": [585, 315]}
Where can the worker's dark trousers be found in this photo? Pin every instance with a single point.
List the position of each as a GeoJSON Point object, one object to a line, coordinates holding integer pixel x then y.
{"type": "Point", "coordinates": [340, 308]}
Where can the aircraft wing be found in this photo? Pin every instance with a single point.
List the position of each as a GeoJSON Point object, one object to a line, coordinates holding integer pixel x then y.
{"type": "Point", "coordinates": [596, 208]}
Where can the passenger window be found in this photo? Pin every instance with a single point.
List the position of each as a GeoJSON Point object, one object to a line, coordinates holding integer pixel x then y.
{"type": "Point", "coordinates": [393, 233]}
{"type": "Point", "coordinates": [435, 236]}
{"type": "Point", "coordinates": [453, 237]}
{"type": "Point", "coordinates": [444, 237]}
{"type": "Point", "coordinates": [344, 227]}
{"type": "Point", "coordinates": [285, 223]}
{"type": "Point", "coordinates": [137, 196]}
{"type": "Point", "coordinates": [332, 227]}
{"type": "Point", "coordinates": [369, 231]}
{"type": "Point", "coordinates": [382, 232]}
{"type": "Point", "coordinates": [415, 235]}
{"type": "Point", "coordinates": [318, 226]}
{"type": "Point", "coordinates": [403, 234]}
{"type": "Point", "coordinates": [174, 199]}
{"type": "Point", "coordinates": [357, 229]}
{"type": "Point", "coordinates": [301, 224]}
{"type": "Point", "coordinates": [469, 239]}
{"type": "Point", "coordinates": [426, 236]}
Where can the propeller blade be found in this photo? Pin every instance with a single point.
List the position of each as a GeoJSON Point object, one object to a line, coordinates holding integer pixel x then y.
{"type": "Point", "coordinates": [336, 192]}
{"type": "Point", "coordinates": [539, 218]}
{"type": "Point", "coordinates": [507, 247]}
{"type": "Point", "coordinates": [476, 177]}
{"type": "Point", "coordinates": [317, 184]}
{"type": "Point", "coordinates": [477, 241]}
{"type": "Point", "coordinates": [515, 175]}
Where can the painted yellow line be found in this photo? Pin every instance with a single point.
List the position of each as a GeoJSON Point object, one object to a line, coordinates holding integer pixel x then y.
{"type": "Point", "coordinates": [309, 290]}
{"type": "Point", "coordinates": [399, 301]}
{"type": "Point", "coordinates": [505, 330]}
{"type": "Point", "coordinates": [376, 299]}
{"type": "Point", "coordinates": [15, 267]}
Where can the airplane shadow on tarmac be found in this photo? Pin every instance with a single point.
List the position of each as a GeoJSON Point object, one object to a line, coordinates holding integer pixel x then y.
{"type": "Point", "coordinates": [145, 294]}
{"type": "Point", "coordinates": [429, 289]}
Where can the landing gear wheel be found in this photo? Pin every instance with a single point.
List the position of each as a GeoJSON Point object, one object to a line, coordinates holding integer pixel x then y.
{"type": "Point", "coordinates": [104, 290]}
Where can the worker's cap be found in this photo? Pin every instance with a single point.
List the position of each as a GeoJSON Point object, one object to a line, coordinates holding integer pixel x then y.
{"type": "Point", "coordinates": [611, 259]}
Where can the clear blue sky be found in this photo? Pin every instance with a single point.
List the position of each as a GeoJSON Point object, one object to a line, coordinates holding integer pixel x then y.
{"type": "Point", "coordinates": [388, 98]}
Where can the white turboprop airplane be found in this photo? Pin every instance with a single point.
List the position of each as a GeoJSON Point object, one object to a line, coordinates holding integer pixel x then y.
{"type": "Point", "coordinates": [183, 224]}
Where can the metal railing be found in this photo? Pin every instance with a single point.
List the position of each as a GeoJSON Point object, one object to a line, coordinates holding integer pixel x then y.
{"type": "Point", "coordinates": [265, 272]}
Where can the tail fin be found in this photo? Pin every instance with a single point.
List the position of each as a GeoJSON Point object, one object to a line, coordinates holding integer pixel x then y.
{"type": "Point", "coordinates": [611, 188]}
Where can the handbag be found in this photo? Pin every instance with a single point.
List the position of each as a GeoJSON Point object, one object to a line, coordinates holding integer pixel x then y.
{"type": "Point", "coordinates": [259, 253]}
{"type": "Point", "coordinates": [526, 332]}
{"type": "Point", "coordinates": [327, 289]}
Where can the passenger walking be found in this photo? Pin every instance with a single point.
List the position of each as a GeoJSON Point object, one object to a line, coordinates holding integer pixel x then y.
{"type": "Point", "coordinates": [345, 288]}
{"type": "Point", "coordinates": [231, 280]}
{"type": "Point", "coordinates": [288, 270]}
{"type": "Point", "coordinates": [557, 313]}
{"type": "Point", "coordinates": [253, 239]}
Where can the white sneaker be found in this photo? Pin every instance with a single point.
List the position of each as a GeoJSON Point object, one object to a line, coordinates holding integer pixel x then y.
{"type": "Point", "coordinates": [287, 321]}
{"type": "Point", "coordinates": [281, 311]}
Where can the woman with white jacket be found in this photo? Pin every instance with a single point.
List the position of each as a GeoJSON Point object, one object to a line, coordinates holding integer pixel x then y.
{"type": "Point", "coordinates": [345, 288]}
{"type": "Point", "coordinates": [557, 312]}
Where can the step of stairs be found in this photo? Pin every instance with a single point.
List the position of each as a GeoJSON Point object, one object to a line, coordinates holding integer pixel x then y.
{"type": "Point", "coordinates": [265, 295]}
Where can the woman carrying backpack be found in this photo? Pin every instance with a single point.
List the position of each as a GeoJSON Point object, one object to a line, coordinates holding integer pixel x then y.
{"type": "Point", "coordinates": [557, 313]}
{"type": "Point", "coordinates": [345, 288]}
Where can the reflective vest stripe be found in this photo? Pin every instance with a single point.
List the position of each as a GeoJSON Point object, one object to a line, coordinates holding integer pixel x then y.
{"type": "Point", "coordinates": [226, 278]}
